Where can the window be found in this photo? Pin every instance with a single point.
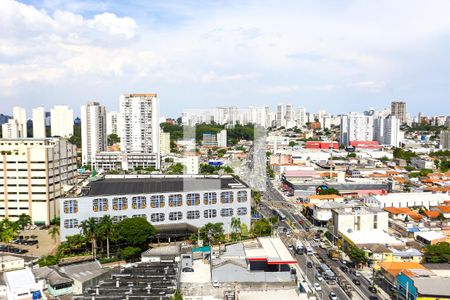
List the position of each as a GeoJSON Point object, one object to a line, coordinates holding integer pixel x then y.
{"type": "Point", "coordinates": [139, 202]}
{"type": "Point", "coordinates": [375, 222]}
{"type": "Point", "coordinates": [242, 211]}
{"type": "Point", "coordinates": [175, 216]}
{"type": "Point", "coordinates": [70, 206]}
{"type": "Point", "coordinates": [210, 198]}
{"type": "Point", "coordinates": [175, 200]}
{"type": "Point", "coordinates": [158, 217]}
{"type": "Point", "coordinates": [117, 219]}
{"type": "Point", "coordinates": [120, 203]}
{"type": "Point", "coordinates": [193, 199]}
{"type": "Point", "coordinates": [226, 197]}
{"type": "Point", "coordinates": [140, 216]}
{"type": "Point", "coordinates": [157, 201]}
{"type": "Point", "coordinates": [242, 196]}
{"type": "Point", "coordinates": [70, 223]}
{"type": "Point", "coordinates": [210, 213]}
{"type": "Point", "coordinates": [226, 212]}
{"type": "Point", "coordinates": [193, 214]}
{"type": "Point", "coordinates": [100, 204]}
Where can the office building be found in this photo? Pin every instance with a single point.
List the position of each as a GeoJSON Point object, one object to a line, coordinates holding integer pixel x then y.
{"type": "Point", "coordinates": [222, 138]}
{"type": "Point", "coordinates": [93, 131]}
{"type": "Point", "coordinates": [38, 122]}
{"type": "Point", "coordinates": [113, 123]}
{"type": "Point", "coordinates": [35, 174]}
{"type": "Point", "coordinates": [140, 123]}
{"type": "Point", "coordinates": [356, 127]}
{"type": "Point", "coordinates": [169, 202]}
{"type": "Point", "coordinates": [61, 117]}
{"type": "Point", "coordinates": [164, 143]}
{"type": "Point", "coordinates": [398, 109]}
{"type": "Point", "coordinates": [445, 139]}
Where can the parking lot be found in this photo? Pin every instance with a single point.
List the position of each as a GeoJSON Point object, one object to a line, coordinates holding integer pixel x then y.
{"type": "Point", "coordinates": [36, 242]}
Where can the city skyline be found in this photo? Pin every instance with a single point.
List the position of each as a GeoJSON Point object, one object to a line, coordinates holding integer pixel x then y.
{"type": "Point", "coordinates": [315, 55]}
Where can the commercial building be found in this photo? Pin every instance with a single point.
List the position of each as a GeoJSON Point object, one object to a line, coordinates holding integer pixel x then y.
{"type": "Point", "coordinates": [11, 263]}
{"type": "Point", "coordinates": [39, 122]}
{"type": "Point", "coordinates": [356, 127]}
{"type": "Point", "coordinates": [169, 202]}
{"type": "Point", "coordinates": [407, 200]}
{"type": "Point", "coordinates": [422, 286]}
{"type": "Point", "coordinates": [359, 219]}
{"type": "Point", "coordinates": [140, 124]}
{"type": "Point", "coordinates": [93, 131]}
{"type": "Point", "coordinates": [61, 117]}
{"type": "Point", "coordinates": [21, 284]}
{"type": "Point", "coordinates": [164, 142]}
{"type": "Point", "coordinates": [398, 109]}
{"type": "Point", "coordinates": [35, 174]}
{"type": "Point", "coordinates": [116, 160]}
{"type": "Point", "coordinates": [445, 139]}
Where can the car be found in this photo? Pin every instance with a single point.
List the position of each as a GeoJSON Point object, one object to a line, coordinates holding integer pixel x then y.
{"type": "Point", "coordinates": [356, 281]}
{"type": "Point", "coordinates": [187, 269]}
{"type": "Point", "coordinates": [344, 268]}
{"type": "Point", "coordinates": [357, 274]}
{"type": "Point", "coordinates": [216, 284]}
{"type": "Point", "coordinates": [373, 298]}
{"type": "Point", "coordinates": [317, 287]}
{"type": "Point", "coordinates": [372, 289]}
{"type": "Point", "coordinates": [291, 247]}
{"type": "Point", "coordinates": [332, 296]}
{"type": "Point", "coordinates": [309, 264]}
{"type": "Point", "coordinates": [318, 277]}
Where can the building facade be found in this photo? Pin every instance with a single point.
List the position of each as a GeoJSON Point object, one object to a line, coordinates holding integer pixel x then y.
{"type": "Point", "coordinates": [398, 109]}
{"type": "Point", "coordinates": [113, 123]}
{"type": "Point", "coordinates": [164, 142]}
{"type": "Point", "coordinates": [93, 131]}
{"type": "Point", "coordinates": [164, 200]}
{"type": "Point", "coordinates": [35, 174]}
{"type": "Point", "coordinates": [38, 115]}
{"type": "Point", "coordinates": [61, 119]}
{"type": "Point", "coordinates": [445, 139]}
{"type": "Point", "coordinates": [356, 127]}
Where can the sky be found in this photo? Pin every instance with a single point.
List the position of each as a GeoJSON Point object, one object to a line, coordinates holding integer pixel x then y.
{"type": "Point", "coordinates": [332, 55]}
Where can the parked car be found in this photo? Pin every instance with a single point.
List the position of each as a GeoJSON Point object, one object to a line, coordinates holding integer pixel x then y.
{"type": "Point", "coordinates": [357, 274]}
{"type": "Point", "coordinates": [216, 284]}
{"type": "Point", "coordinates": [332, 296]}
{"type": "Point", "coordinates": [187, 269]}
{"type": "Point", "coordinates": [318, 277]}
{"type": "Point", "coordinates": [309, 264]}
{"type": "Point", "coordinates": [317, 287]}
{"type": "Point", "coordinates": [291, 247]}
{"type": "Point", "coordinates": [372, 289]}
{"type": "Point", "coordinates": [344, 269]}
{"type": "Point", "coordinates": [356, 281]}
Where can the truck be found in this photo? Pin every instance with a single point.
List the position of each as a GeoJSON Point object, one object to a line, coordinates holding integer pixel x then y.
{"type": "Point", "coordinates": [334, 254]}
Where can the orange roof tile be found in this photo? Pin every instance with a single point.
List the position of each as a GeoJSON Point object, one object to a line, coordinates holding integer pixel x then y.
{"type": "Point", "coordinates": [394, 268]}
{"type": "Point", "coordinates": [432, 214]}
{"type": "Point", "coordinates": [444, 208]}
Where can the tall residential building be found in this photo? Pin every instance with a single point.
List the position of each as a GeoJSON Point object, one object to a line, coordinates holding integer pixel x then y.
{"type": "Point", "coordinates": [20, 115]}
{"type": "Point", "coordinates": [10, 130]}
{"type": "Point", "coordinates": [35, 173]}
{"type": "Point", "coordinates": [209, 139]}
{"type": "Point", "coordinates": [398, 109]}
{"type": "Point", "coordinates": [445, 139]}
{"type": "Point", "coordinates": [164, 143]}
{"type": "Point", "coordinates": [140, 123]}
{"type": "Point", "coordinates": [356, 127]}
{"type": "Point", "coordinates": [38, 115]}
{"type": "Point", "coordinates": [93, 131]}
{"type": "Point", "coordinates": [222, 138]}
{"type": "Point", "coordinates": [289, 113]}
{"type": "Point", "coordinates": [387, 131]}
{"type": "Point", "coordinates": [61, 117]}
{"type": "Point", "coordinates": [301, 117]}
{"type": "Point", "coordinates": [280, 121]}
{"type": "Point", "coordinates": [113, 123]}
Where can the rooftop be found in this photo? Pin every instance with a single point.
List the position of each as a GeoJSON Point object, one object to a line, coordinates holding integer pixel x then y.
{"type": "Point", "coordinates": [372, 237]}
{"type": "Point", "coordinates": [145, 184]}
{"type": "Point", "coordinates": [271, 250]}
{"type": "Point", "coordinates": [433, 286]}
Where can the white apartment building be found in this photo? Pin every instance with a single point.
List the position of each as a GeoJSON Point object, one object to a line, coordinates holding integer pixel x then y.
{"type": "Point", "coordinates": [191, 164]}
{"type": "Point", "coordinates": [222, 138]}
{"type": "Point", "coordinates": [38, 116]}
{"type": "Point", "coordinates": [116, 160]}
{"type": "Point", "coordinates": [387, 131]}
{"type": "Point", "coordinates": [93, 131]}
{"type": "Point", "coordinates": [20, 115]}
{"type": "Point", "coordinates": [113, 123]}
{"type": "Point", "coordinates": [356, 127]}
{"type": "Point", "coordinates": [35, 174]}
{"type": "Point", "coordinates": [167, 201]}
{"type": "Point", "coordinates": [407, 200]}
{"type": "Point", "coordinates": [445, 139]}
{"type": "Point", "coordinates": [61, 117]}
{"type": "Point", "coordinates": [301, 117]}
{"type": "Point", "coordinates": [353, 219]}
{"type": "Point", "coordinates": [10, 130]}
{"type": "Point", "coordinates": [164, 143]}
{"type": "Point", "coordinates": [140, 124]}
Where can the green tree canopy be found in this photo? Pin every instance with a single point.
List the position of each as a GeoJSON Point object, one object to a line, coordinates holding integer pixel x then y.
{"type": "Point", "coordinates": [439, 253]}
{"type": "Point", "coordinates": [135, 231]}
{"type": "Point", "coordinates": [262, 227]}
{"type": "Point", "coordinates": [212, 232]}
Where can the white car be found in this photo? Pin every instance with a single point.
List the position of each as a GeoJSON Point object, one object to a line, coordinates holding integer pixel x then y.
{"type": "Point", "coordinates": [357, 274]}
{"type": "Point", "coordinates": [216, 284]}
{"type": "Point", "coordinates": [318, 277]}
{"type": "Point", "coordinates": [317, 287]}
{"type": "Point", "coordinates": [332, 296]}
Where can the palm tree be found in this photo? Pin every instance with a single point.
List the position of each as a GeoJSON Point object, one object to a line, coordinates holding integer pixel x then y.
{"type": "Point", "coordinates": [89, 230]}
{"type": "Point", "coordinates": [23, 221]}
{"type": "Point", "coordinates": [54, 232]}
{"type": "Point", "coordinates": [8, 230]}
{"type": "Point", "coordinates": [106, 227]}
{"type": "Point", "coordinates": [236, 225]}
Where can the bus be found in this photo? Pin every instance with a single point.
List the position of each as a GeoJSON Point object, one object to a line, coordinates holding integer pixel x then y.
{"type": "Point", "coordinates": [279, 214]}
{"type": "Point", "coordinates": [327, 273]}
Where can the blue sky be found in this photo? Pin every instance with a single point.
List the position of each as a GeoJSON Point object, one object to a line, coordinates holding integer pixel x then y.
{"type": "Point", "coordinates": [334, 55]}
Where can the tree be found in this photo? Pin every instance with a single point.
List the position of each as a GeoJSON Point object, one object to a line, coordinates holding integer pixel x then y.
{"type": "Point", "coordinates": [8, 230]}
{"type": "Point", "coordinates": [177, 295]}
{"type": "Point", "coordinates": [328, 191]}
{"type": "Point", "coordinates": [177, 168]}
{"type": "Point", "coordinates": [244, 231]}
{"type": "Point", "coordinates": [256, 195]}
{"type": "Point", "coordinates": [212, 233]}
{"type": "Point", "coordinates": [54, 232]}
{"type": "Point", "coordinates": [357, 255]}
{"type": "Point", "coordinates": [89, 230]}
{"type": "Point", "coordinates": [129, 252]}
{"type": "Point", "coordinates": [135, 231]}
{"type": "Point", "coordinates": [113, 139]}
{"type": "Point", "coordinates": [262, 227]}
{"type": "Point", "coordinates": [236, 227]}
{"type": "Point", "coordinates": [106, 227]}
{"type": "Point", "coordinates": [438, 253]}
{"type": "Point", "coordinates": [23, 221]}
{"type": "Point", "coordinates": [292, 144]}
